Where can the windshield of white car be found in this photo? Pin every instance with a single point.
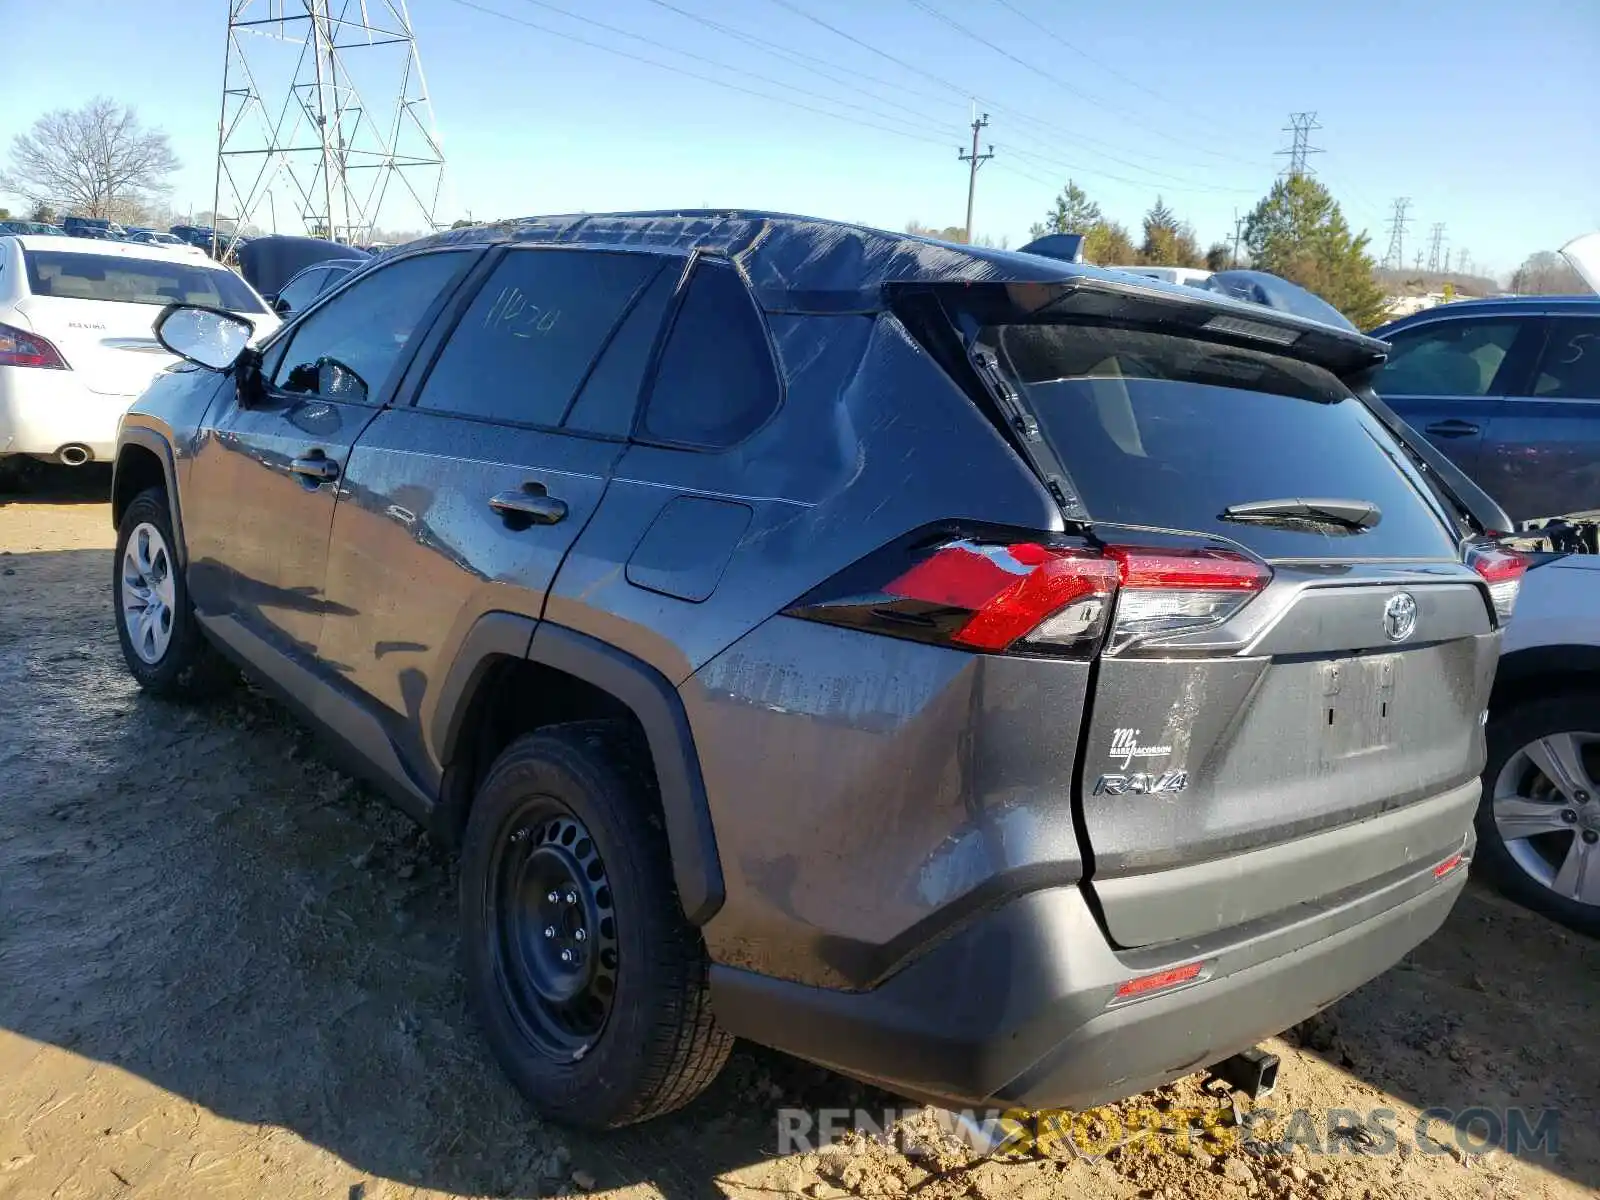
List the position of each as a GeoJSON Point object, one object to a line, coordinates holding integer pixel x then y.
{"type": "Point", "coordinates": [73, 275]}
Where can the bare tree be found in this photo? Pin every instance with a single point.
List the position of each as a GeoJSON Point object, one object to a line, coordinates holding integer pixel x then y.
{"type": "Point", "coordinates": [96, 161]}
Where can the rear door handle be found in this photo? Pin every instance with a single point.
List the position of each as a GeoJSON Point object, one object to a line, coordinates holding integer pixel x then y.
{"type": "Point", "coordinates": [529, 505]}
{"type": "Point", "coordinates": [315, 466]}
{"type": "Point", "coordinates": [1452, 429]}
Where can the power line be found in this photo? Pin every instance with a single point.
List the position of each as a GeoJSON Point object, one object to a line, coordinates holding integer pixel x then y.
{"type": "Point", "coordinates": [652, 62]}
{"type": "Point", "coordinates": [993, 105]}
{"type": "Point", "coordinates": [973, 35]}
{"type": "Point", "coordinates": [1395, 255]}
{"type": "Point", "coordinates": [1183, 106]}
{"type": "Point", "coordinates": [974, 160]}
{"type": "Point", "coordinates": [690, 54]}
{"type": "Point", "coordinates": [807, 62]}
{"type": "Point", "coordinates": [1176, 186]}
{"type": "Point", "coordinates": [1300, 125]}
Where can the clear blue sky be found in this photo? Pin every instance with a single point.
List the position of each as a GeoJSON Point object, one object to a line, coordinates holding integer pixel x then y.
{"type": "Point", "coordinates": [1484, 113]}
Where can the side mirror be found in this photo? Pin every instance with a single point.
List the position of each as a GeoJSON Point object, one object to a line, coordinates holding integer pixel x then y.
{"type": "Point", "coordinates": [207, 337]}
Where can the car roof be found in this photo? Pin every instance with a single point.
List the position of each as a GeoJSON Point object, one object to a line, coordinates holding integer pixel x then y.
{"type": "Point", "coordinates": [1506, 306]}
{"type": "Point", "coordinates": [46, 241]}
{"type": "Point", "coordinates": [798, 264]}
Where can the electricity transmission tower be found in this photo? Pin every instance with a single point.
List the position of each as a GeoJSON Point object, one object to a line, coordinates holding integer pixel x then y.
{"type": "Point", "coordinates": [326, 100]}
{"type": "Point", "coordinates": [1300, 125]}
{"type": "Point", "coordinates": [975, 160]}
{"type": "Point", "coordinates": [1395, 256]}
{"type": "Point", "coordinates": [1435, 246]}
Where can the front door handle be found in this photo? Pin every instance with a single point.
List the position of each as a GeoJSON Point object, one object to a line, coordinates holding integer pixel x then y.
{"type": "Point", "coordinates": [1452, 429]}
{"type": "Point", "coordinates": [533, 507]}
{"type": "Point", "coordinates": [315, 466]}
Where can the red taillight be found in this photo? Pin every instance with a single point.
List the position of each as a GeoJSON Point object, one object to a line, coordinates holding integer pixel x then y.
{"type": "Point", "coordinates": [1448, 865]}
{"type": "Point", "coordinates": [1160, 981]}
{"type": "Point", "coordinates": [21, 349]}
{"type": "Point", "coordinates": [1502, 570]}
{"type": "Point", "coordinates": [1009, 590]}
{"type": "Point", "coordinates": [991, 595]}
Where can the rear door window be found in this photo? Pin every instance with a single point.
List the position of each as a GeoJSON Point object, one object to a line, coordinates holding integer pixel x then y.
{"type": "Point", "coordinates": [531, 334]}
{"type": "Point", "coordinates": [1454, 357]}
{"type": "Point", "coordinates": [1570, 366]}
{"type": "Point", "coordinates": [1168, 432]}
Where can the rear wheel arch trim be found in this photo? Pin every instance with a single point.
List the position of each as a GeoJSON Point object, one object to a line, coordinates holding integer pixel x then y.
{"type": "Point", "coordinates": [644, 691]}
{"type": "Point", "coordinates": [151, 442]}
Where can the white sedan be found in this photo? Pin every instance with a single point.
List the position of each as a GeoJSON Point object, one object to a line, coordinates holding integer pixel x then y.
{"type": "Point", "coordinates": [76, 347]}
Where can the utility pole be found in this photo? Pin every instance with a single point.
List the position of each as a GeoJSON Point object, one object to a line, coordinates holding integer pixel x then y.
{"type": "Point", "coordinates": [1300, 125]}
{"type": "Point", "coordinates": [1435, 246]}
{"type": "Point", "coordinates": [974, 160]}
{"type": "Point", "coordinates": [1419, 262]}
{"type": "Point", "coordinates": [1395, 256]}
{"type": "Point", "coordinates": [1463, 262]}
{"type": "Point", "coordinates": [1447, 262]}
{"type": "Point", "coordinates": [1238, 224]}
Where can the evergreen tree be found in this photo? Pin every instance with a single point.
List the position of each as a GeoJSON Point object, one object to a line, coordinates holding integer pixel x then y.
{"type": "Point", "coordinates": [1298, 232]}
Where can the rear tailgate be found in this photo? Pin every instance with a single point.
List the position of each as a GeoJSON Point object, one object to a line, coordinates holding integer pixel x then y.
{"type": "Point", "coordinates": [1325, 734]}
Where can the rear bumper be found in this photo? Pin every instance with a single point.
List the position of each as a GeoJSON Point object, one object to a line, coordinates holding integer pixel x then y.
{"type": "Point", "coordinates": [42, 411]}
{"type": "Point", "coordinates": [1020, 1009]}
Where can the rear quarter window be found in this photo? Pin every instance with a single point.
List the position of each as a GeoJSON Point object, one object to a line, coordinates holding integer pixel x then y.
{"type": "Point", "coordinates": [1167, 432]}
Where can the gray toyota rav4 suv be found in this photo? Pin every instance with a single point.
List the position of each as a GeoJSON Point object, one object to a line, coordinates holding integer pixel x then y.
{"type": "Point", "coordinates": [1005, 681]}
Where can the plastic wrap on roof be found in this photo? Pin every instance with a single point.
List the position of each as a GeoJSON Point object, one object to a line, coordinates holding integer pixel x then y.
{"type": "Point", "coordinates": [794, 264]}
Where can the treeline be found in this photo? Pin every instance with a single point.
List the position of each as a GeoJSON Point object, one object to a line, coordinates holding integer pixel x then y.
{"type": "Point", "coordinates": [1297, 231]}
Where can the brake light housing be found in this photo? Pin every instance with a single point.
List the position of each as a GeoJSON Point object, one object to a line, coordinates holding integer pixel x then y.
{"type": "Point", "coordinates": [1502, 570]}
{"type": "Point", "coordinates": [19, 348]}
{"type": "Point", "coordinates": [999, 595]}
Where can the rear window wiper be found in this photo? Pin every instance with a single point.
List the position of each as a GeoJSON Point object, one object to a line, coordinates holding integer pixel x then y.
{"type": "Point", "coordinates": [1352, 514]}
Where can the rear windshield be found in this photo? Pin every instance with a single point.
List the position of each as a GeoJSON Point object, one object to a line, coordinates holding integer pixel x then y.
{"type": "Point", "coordinates": [73, 275]}
{"type": "Point", "coordinates": [1167, 431]}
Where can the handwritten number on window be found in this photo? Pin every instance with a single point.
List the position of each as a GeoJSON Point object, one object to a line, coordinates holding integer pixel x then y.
{"type": "Point", "coordinates": [513, 313]}
{"type": "Point", "coordinates": [1576, 347]}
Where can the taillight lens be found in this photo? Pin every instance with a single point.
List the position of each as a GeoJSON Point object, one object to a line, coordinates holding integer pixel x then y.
{"type": "Point", "coordinates": [995, 596]}
{"type": "Point", "coordinates": [19, 348]}
{"type": "Point", "coordinates": [1502, 570]}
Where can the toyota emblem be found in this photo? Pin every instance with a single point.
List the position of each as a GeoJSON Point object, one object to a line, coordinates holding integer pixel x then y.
{"type": "Point", "coordinates": [1400, 617]}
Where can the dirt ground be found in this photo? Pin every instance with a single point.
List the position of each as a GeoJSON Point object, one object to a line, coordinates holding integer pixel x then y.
{"type": "Point", "coordinates": [227, 970]}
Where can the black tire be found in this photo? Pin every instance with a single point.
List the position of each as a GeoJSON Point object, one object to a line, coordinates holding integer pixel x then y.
{"type": "Point", "coordinates": [656, 1047]}
{"type": "Point", "coordinates": [1509, 731]}
{"type": "Point", "coordinates": [189, 668]}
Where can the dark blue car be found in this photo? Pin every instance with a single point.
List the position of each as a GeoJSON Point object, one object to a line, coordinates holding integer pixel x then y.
{"type": "Point", "coordinates": [1510, 390]}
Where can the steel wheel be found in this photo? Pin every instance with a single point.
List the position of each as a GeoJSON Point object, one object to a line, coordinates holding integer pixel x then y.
{"type": "Point", "coordinates": [1546, 807]}
{"type": "Point", "coordinates": [149, 594]}
{"type": "Point", "coordinates": [554, 929]}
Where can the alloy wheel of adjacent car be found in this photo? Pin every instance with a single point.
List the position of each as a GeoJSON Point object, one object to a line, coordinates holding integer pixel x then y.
{"type": "Point", "coordinates": [1540, 821]}
{"type": "Point", "coordinates": [1547, 808]}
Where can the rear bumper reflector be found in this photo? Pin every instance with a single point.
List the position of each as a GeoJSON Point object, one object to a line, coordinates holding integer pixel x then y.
{"type": "Point", "coordinates": [1159, 981]}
